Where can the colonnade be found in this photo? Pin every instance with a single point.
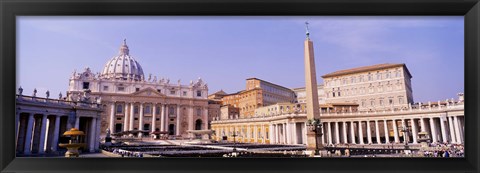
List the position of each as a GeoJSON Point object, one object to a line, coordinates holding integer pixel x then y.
{"type": "Point", "coordinates": [40, 133]}
{"type": "Point", "coordinates": [442, 129]}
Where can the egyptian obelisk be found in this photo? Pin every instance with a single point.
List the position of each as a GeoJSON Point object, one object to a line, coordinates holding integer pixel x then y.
{"type": "Point", "coordinates": [313, 107]}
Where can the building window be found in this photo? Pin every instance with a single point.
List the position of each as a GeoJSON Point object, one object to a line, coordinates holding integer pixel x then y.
{"type": "Point", "coordinates": [105, 88]}
{"type": "Point", "coordinates": [184, 93]}
{"type": "Point", "coordinates": [137, 89]}
{"type": "Point", "coordinates": [333, 94]}
{"type": "Point", "coordinates": [121, 88]}
{"type": "Point", "coordinates": [339, 94]}
{"type": "Point", "coordinates": [400, 100]}
{"type": "Point", "coordinates": [119, 118]}
{"type": "Point", "coordinates": [390, 101]}
{"type": "Point", "coordinates": [171, 110]}
{"type": "Point", "coordinates": [199, 93]}
{"type": "Point", "coordinates": [157, 110]}
{"type": "Point", "coordinates": [86, 85]}
{"type": "Point", "coordinates": [159, 90]}
{"type": "Point", "coordinates": [147, 109]}
{"type": "Point", "coordinates": [372, 103]}
{"type": "Point", "coordinates": [135, 119]}
{"type": "Point", "coordinates": [119, 109]}
{"type": "Point", "coordinates": [172, 92]}
{"type": "Point", "coordinates": [135, 110]}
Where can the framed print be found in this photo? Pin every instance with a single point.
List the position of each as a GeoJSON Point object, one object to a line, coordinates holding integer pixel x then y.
{"type": "Point", "coordinates": [275, 86]}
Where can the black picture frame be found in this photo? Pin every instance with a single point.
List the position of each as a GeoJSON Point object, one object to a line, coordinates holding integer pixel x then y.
{"type": "Point", "coordinates": [9, 9]}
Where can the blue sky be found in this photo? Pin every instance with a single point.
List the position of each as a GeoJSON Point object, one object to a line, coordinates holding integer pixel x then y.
{"type": "Point", "coordinates": [224, 51]}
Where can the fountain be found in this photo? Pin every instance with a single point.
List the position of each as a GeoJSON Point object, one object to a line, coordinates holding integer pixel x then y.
{"type": "Point", "coordinates": [74, 143]}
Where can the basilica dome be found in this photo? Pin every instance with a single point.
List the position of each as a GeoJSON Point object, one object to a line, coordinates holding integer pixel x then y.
{"type": "Point", "coordinates": [123, 66]}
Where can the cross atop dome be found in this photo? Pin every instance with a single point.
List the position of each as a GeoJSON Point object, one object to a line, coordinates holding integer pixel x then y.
{"type": "Point", "coordinates": [124, 48]}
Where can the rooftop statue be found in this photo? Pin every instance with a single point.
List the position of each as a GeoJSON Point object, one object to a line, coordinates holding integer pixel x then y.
{"type": "Point", "coordinates": [35, 92]}
{"type": "Point", "coordinates": [20, 90]}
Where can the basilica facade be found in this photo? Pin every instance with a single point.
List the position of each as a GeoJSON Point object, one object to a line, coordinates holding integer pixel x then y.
{"type": "Point", "coordinates": [132, 101]}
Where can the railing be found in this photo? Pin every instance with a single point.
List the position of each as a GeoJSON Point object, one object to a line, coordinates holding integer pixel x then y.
{"type": "Point", "coordinates": [55, 101]}
{"type": "Point", "coordinates": [411, 110]}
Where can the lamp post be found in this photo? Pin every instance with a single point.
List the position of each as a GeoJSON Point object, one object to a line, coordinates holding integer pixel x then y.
{"type": "Point", "coordinates": [234, 141]}
{"type": "Point", "coordinates": [315, 126]}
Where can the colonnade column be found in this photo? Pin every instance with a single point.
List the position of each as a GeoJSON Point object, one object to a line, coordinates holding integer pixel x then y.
{"type": "Point", "coordinates": [132, 116]}
{"type": "Point", "coordinates": [387, 135]}
{"type": "Point", "coordinates": [422, 125]}
{"type": "Point", "coordinates": [352, 132]}
{"type": "Point", "coordinates": [177, 131]}
{"type": "Point", "coordinates": [323, 133]}
{"type": "Point", "coordinates": [452, 131]}
{"type": "Point", "coordinates": [56, 134]}
{"type": "Point", "coordinates": [395, 131]}
{"type": "Point", "coordinates": [154, 116]}
{"type": "Point", "coordinates": [434, 131]}
{"type": "Point", "coordinates": [112, 116]}
{"type": "Point", "coordinates": [457, 130]}
{"type": "Point", "coordinates": [28, 137]}
{"type": "Point", "coordinates": [404, 135]}
{"type": "Point", "coordinates": [77, 122]}
{"type": "Point", "coordinates": [294, 134]}
{"type": "Point", "coordinates": [377, 132]}
{"type": "Point", "coordinates": [360, 132]}
{"type": "Point", "coordinates": [369, 135]}
{"type": "Point", "coordinates": [345, 138]}
{"type": "Point", "coordinates": [270, 133]}
{"type": "Point", "coordinates": [414, 130]}
{"type": "Point", "coordinates": [329, 133]}
{"type": "Point", "coordinates": [93, 125]}
{"type": "Point", "coordinates": [285, 133]}
{"type": "Point", "coordinates": [41, 146]}
{"type": "Point", "coordinates": [125, 121]}
{"type": "Point", "coordinates": [140, 120]}
{"type": "Point", "coordinates": [442, 128]}
{"type": "Point", "coordinates": [337, 134]}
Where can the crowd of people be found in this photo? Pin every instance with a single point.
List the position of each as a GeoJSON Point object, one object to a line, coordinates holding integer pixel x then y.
{"type": "Point", "coordinates": [123, 153]}
{"type": "Point", "coordinates": [444, 150]}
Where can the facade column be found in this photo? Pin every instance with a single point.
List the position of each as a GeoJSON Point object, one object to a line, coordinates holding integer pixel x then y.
{"type": "Point", "coordinates": [162, 118]}
{"type": "Point", "coordinates": [205, 118]}
{"type": "Point", "coordinates": [190, 119]}
{"type": "Point", "coordinates": [112, 117]}
{"type": "Point", "coordinates": [352, 129]}
{"type": "Point", "coordinates": [323, 132]}
{"type": "Point", "coordinates": [387, 135]}
{"type": "Point", "coordinates": [345, 138]}
{"type": "Point", "coordinates": [294, 133]}
{"type": "Point", "coordinates": [56, 133]}
{"type": "Point", "coordinates": [337, 134]}
{"type": "Point", "coordinates": [360, 132]}
{"type": "Point", "coordinates": [93, 124]}
{"type": "Point", "coordinates": [329, 133]}
{"type": "Point", "coordinates": [132, 116]}
{"type": "Point", "coordinates": [444, 131]}
{"type": "Point", "coordinates": [434, 131]}
{"type": "Point", "coordinates": [395, 131]}
{"type": "Point", "coordinates": [140, 120]}
{"type": "Point", "coordinates": [177, 131]}
{"type": "Point", "coordinates": [452, 131]}
{"type": "Point", "coordinates": [457, 130]}
{"type": "Point", "coordinates": [41, 146]}
{"type": "Point", "coordinates": [154, 116]}
{"type": "Point", "coordinates": [125, 119]}
{"type": "Point", "coordinates": [414, 130]}
{"type": "Point", "coordinates": [28, 137]}
{"type": "Point", "coordinates": [369, 131]}
{"type": "Point", "coordinates": [377, 132]}
{"type": "Point", "coordinates": [285, 133]}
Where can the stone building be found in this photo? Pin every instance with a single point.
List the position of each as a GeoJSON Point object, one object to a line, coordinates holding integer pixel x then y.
{"type": "Point", "coordinates": [258, 93]}
{"type": "Point", "coordinates": [41, 123]}
{"type": "Point", "coordinates": [375, 87]}
{"type": "Point", "coordinates": [135, 102]}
